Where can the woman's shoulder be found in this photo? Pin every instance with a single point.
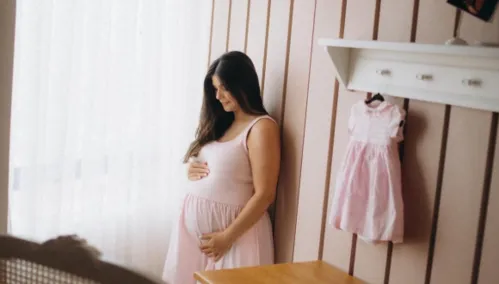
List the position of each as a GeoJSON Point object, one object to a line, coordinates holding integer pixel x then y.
{"type": "Point", "coordinates": [263, 124]}
{"type": "Point", "coordinates": [264, 128]}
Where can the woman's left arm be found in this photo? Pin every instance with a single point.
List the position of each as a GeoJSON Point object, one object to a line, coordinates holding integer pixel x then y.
{"type": "Point", "coordinates": [264, 150]}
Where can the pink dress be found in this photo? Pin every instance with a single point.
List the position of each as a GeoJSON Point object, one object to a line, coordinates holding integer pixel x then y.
{"type": "Point", "coordinates": [368, 197]}
{"type": "Point", "coordinates": [210, 205]}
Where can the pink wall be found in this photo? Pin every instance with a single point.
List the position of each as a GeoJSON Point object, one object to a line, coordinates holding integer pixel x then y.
{"type": "Point", "coordinates": [450, 169]}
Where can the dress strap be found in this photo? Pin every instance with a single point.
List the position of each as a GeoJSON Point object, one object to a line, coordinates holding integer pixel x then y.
{"type": "Point", "coordinates": [250, 126]}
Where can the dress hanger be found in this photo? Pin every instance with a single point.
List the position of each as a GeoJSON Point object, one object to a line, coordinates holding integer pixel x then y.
{"type": "Point", "coordinates": [377, 97]}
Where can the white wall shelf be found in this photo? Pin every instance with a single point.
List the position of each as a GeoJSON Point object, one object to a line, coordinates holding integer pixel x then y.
{"type": "Point", "coordinates": [466, 76]}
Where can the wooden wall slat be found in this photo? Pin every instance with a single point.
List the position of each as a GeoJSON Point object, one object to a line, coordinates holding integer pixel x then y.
{"type": "Point", "coordinates": [370, 261]}
{"type": "Point", "coordinates": [276, 64]}
{"type": "Point", "coordinates": [238, 25]}
{"type": "Point", "coordinates": [316, 148]}
{"type": "Point", "coordinates": [257, 30]}
{"type": "Point", "coordinates": [461, 195]}
{"type": "Point", "coordinates": [395, 20]}
{"type": "Point", "coordinates": [433, 21]}
{"type": "Point", "coordinates": [474, 30]}
{"type": "Point", "coordinates": [293, 126]}
{"type": "Point", "coordinates": [359, 19]}
{"type": "Point", "coordinates": [489, 273]}
{"type": "Point", "coordinates": [219, 33]}
{"type": "Point", "coordinates": [359, 24]}
{"type": "Point", "coordinates": [422, 147]}
{"type": "Point", "coordinates": [277, 54]}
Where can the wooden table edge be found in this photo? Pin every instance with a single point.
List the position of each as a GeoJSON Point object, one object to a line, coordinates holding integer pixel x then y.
{"type": "Point", "coordinates": [352, 280]}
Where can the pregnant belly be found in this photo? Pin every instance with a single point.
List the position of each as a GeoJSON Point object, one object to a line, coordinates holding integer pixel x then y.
{"type": "Point", "coordinates": [202, 216]}
{"type": "Point", "coordinates": [221, 190]}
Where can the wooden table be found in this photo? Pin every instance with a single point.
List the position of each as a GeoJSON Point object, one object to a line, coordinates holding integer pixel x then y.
{"type": "Point", "coordinates": [315, 272]}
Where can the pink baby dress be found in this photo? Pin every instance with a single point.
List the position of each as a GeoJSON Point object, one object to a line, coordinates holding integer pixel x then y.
{"type": "Point", "coordinates": [367, 198]}
{"type": "Point", "coordinates": [211, 204]}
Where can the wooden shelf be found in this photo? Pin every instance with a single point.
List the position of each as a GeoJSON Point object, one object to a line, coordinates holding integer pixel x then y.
{"type": "Point", "coordinates": [466, 76]}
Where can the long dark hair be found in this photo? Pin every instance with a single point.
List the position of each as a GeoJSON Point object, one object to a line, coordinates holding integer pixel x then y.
{"type": "Point", "coordinates": [237, 74]}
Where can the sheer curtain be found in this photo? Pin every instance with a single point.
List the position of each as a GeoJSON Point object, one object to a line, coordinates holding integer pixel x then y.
{"type": "Point", "coordinates": [106, 99]}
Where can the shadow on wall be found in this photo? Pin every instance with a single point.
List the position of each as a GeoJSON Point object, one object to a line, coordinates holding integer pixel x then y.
{"type": "Point", "coordinates": [418, 212]}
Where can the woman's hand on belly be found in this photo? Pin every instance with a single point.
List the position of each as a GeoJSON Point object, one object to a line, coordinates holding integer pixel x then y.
{"type": "Point", "coordinates": [197, 170]}
{"type": "Point", "coordinates": [215, 245]}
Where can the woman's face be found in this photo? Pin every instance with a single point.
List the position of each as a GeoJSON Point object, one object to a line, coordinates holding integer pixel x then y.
{"type": "Point", "coordinates": [224, 96]}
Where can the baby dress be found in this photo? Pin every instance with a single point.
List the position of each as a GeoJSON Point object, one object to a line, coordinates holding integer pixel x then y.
{"type": "Point", "coordinates": [367, 199]}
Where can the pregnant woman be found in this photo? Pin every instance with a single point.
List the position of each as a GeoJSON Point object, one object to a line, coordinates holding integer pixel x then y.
{"type": "Point", "coordinates": [233, 172]}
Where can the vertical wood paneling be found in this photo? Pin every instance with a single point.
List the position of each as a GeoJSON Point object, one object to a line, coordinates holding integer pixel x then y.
{"type": "Point", "coordinates": [433, 21]}
{"type": "Point", "coordinates": [316, 148]}
{"type": "Point", "coordinates": [444, 154]}
{"type": "Point", "coordinates": [257, 31]}
{"type": "Point", "coordinates": [359, 24]}
{"type": "Point", "coordinates": [489, 273]}
{"type": "Point", "coordinates": [220, 28]}
{"type": "Point", "coordinates": [293, 126]}
{"type": "Point", "coordinates": [474, 30]}
{"type": "Point", "coordinates": [463, 184]}
{"type": "Point", "coordinates": [276, 63]}
{"type": "Point", "coordinates": [395, 20]}
{"type": "Point", "coordinates": [7, 27]}
{"type": "Point", "coordinates": [461, 195]}
{"type": "Point", "coordinates": [277, 54]}
{"type": "Point", "coordinates": [359, 19]}
{"type": "Point", "coordinates": [423, 146]}
{"type": "Point", "coordinates": [238, 25]}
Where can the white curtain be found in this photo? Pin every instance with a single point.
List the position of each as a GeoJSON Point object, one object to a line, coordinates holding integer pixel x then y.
{"type": "Point", "coordinates": [106, 100]}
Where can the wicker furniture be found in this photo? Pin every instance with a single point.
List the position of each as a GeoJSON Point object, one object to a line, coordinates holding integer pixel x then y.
{"type": "Point", "coordinates": [64, 260]}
